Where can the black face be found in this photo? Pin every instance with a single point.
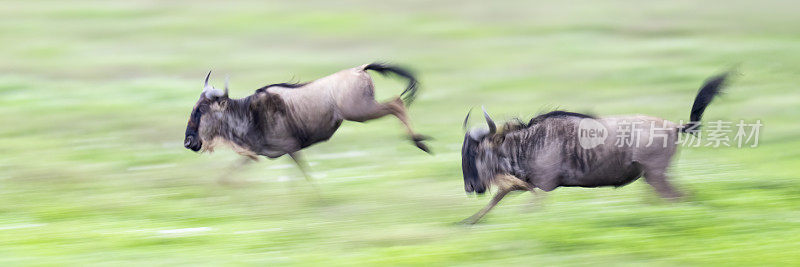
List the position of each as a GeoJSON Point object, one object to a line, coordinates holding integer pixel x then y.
{"type": "Point", "coordinates": [472, 182]}
{"type": "Point", "coordinates": [192, 140]}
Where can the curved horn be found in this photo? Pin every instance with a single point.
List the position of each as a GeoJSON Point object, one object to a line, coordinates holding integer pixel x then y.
{"type": "Point", "coordinates": [489, 121]}
{"type": "Point", "coordinates": [205, 85]}
{"type": "Point", "coordinates": [227, 77]}
{"type": "Point", "coordinates": [467, 119]}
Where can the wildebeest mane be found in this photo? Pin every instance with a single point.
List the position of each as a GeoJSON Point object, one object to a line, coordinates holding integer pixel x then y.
{"type": "Point", "coordinates": [284, 84]}
{"type": "Point", "coordinates": [518, 124]}
{"type": "Point", "coordinates": [557, 113]}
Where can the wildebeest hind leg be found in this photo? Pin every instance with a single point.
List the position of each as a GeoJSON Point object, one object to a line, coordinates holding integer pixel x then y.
{"type": "Point", "coordinates": [399, 111]}
{"type": "Point", "coordinates": [657, 178]}
{"type": "Point", "coordinates": [374, 110]}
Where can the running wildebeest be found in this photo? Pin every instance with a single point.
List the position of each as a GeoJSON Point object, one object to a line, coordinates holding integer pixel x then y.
{"type": "Point", "coordinates": [571, 149]}
{"type": "Point", "coordinates": [284, 118]}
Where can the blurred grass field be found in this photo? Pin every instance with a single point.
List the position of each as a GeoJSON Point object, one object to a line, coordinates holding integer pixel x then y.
{"type": "Point", "coordinates": [95, 95]}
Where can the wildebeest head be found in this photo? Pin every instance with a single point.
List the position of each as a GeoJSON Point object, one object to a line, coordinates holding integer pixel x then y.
{"type": "Point", "coordinates": [479, 160]}
{"type": "Point", "coordinates": [209, 99]}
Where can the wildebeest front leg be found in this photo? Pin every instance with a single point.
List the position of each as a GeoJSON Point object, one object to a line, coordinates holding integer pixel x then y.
{"type": "Point", "coordinates": [237, 165]}
{"type": "Point", "coordinates": [505, 184]}
{"type": "Point", "coordinates": [496, 199]}
{"type": "Point", "coordinates": [537, 200]}
{"type": "Point", "coordinates": [374, 110]}
{"type": "Point", "coordinates": [301, 164]}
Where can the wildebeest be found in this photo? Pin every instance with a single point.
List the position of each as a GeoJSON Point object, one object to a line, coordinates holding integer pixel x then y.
{"type": "Point", "coordinates": [284, 118]}
{"type": "Point", "coordinates": [562, 148]}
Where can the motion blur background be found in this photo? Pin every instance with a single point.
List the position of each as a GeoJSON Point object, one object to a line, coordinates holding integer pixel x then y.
{"type": "Point", "coordinates": [95, 95]}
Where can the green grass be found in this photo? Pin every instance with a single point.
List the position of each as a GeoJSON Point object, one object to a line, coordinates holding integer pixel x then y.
{"type": "Point", "coordinates": [94, 98]}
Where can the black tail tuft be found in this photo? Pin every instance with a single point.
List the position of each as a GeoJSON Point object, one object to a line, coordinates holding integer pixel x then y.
{"type": "Point", "coordinates": [410, 93]}
{"type": "Point", "coordinates": [711, 88]}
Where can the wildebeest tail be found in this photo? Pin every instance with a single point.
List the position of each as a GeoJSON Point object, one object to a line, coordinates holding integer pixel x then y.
{"type": "Point", "coordinates": [410, 93]}
{"type": "Point", "coordinates": [711, 88]}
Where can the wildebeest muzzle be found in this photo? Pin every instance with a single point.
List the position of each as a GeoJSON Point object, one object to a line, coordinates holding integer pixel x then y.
{"type": "Point", "coordinates": [193, 143]}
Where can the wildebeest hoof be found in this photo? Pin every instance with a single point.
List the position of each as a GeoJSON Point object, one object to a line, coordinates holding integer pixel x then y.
{"type": "Point", "coordinates": [675, 198]}
{"type": "Point", "coordinates": [419, 137]}
{"type": "Point", "coordinates": [229, 182]}
{"type": "Point", "coordinates": [423, 146]}
{"type": "Point", "coordinates": [469, 221]}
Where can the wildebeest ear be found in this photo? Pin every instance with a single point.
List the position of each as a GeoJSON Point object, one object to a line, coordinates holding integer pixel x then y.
{"type": "Point", "coordinates": [227, 78]}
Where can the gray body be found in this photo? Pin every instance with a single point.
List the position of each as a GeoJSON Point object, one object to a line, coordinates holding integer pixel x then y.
{"type": "Point", "coordinates": [551, 151]}
{"type": "Point", "coordinates": [548, 154]}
